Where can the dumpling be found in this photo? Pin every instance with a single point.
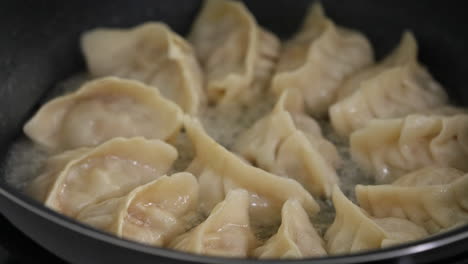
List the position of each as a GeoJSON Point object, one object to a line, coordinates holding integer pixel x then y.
{"type": "Point", "coordinates": [226, 232]}
{"type": "Point", "coordinates": [318, 58]}
{"type": "Point", "coordinates": [430, 175]}
{"type": "Point", "coordinates": [152, 214]}
{"type": "Point", "coordinates": [219, 171]}
{"type": "Point", "coordinates": [101, 110]}
{"type": "Point", "coordinates": [294, 104]}
{"type": "Point", "coordinates": [78, 178]}
{"type": "Point", "coordinates": [353, 230]}
{"type": "Point", "coordinates": [390, 148]}
{"type": "Point", "coordinates": [406, 52]}
{"type": "Point", "coordinates": [433, 197]}
{"type": "Point", "coordinates": [277, 144]}
{"type": "Point", "coordinates": [396, 92]}
{"type": "Point", "coordinates": [296, 237]}
{"type": "Point", "coordinates": [151, 53]}
{"type": "Point", "coordinates": [237, 55]}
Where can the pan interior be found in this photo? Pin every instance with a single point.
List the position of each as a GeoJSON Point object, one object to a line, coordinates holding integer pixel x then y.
{"type": "Point", "coordinates": [33, 69]}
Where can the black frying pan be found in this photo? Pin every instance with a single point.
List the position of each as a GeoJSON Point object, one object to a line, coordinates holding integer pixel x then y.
{"type": "Point", "coordinates": [39, 46]}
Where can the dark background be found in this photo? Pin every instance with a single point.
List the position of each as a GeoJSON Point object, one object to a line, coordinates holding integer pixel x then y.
{"type": "Point", "coordinates": [16, 248]}
{"type": "Point", "coordinates": [4, 256]}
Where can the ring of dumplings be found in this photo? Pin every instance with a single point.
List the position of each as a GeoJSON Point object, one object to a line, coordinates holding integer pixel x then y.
{"type": "Point", "coordinates": [135, 152]}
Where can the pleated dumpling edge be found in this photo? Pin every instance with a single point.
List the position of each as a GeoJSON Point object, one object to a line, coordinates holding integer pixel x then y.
{"type": "Point", "coordinates": [151, 53]}
{"type": "Point", "coordinates": [77, 178]}
{"type": "Point", "coordinates": [219, 171]}
{"type": "Point", "coordinates": [101, 110]}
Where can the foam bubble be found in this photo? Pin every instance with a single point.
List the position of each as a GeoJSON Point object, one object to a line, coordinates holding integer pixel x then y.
{"type": "Point", "coordinates": [23, 163]}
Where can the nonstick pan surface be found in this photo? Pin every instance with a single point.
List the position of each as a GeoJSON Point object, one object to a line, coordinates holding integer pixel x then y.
{"type": "Point", "coordinates": [39, 46]}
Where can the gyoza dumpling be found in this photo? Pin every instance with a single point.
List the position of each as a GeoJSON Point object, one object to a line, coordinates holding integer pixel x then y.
{"type": "Point", "coordinates": [219, 171]}
{"type": "Point", "coordinates": [226, 232]}
{"type": "Point", "coordinates": [77, 178]}
{"type": "Point", "coordinates": [318, 59]}
{"type": "Point", "coordinates": [296, 237]}
{"type": "Point", "coordinates": [101, 110]}
{"type": "Point", "coordinates": [390, 148]}
{"type": "Point", "coordinates": [275, 144]}
{"type": "Point", "coordinates": [152, 214]}
{"type": "Point", "coordinates": [396, 92]}
{"type": "Point", "coordinates": [353, 230]}
{"type": "Point", "coordinates": [406, 52]}
{"type": "Point", "coordinates": [236, 54]}
{"type": "Point", "coordinates": [433, 197]}
{"type": "Point", "coordinates": [151, 53]}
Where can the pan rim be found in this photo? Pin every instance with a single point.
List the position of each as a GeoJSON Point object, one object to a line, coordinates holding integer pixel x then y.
{"type": "Point", "coordinates": [431, 243]}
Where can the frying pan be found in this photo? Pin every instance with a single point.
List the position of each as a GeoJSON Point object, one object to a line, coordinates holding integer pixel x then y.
{"type": "Point", "coordinates": [39, 46]}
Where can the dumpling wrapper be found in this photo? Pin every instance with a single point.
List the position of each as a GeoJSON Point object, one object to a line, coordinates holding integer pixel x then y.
{"type": "Point", "coordinates": [101, 110]}
{"type": "Point", "coordinates": [237, 55]}
{"type": "Point", "coordinates": [219, 171]}
{"type": "Point", "coordinates": [78, 178]}
{"type": "Point", "coordinates": [318, 58]}
{"type": "Point", "coordinates": [396, 92]}
{"type": "Point", "coordinates": [433, 197]}
{"type": "Point", "coordinates": [290, 144]}
{"type": "Point", "coordinates": [406, 52]}
{"type": "Point", "coordinates": [390, 148]}
{"type": "Point", "coordinates": [296, 237]}
{"type": "Point", "coordinates": [226, 232]}
{"type": "Point", "coordinates": [353, 230]}
{"type": "Point", "coordinates": [294, 104]}
{"type": "Point", "coordinates": [151, 53]}
{"type": "Point", "coordinates": [153, 214]}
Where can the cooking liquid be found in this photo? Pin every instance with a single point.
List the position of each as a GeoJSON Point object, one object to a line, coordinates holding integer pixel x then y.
{"type": "Point", "coordinates": [25, 159]}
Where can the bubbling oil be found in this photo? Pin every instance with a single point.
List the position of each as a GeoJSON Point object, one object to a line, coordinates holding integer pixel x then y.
{"type": "Point", "coordinates": [224, 124]}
